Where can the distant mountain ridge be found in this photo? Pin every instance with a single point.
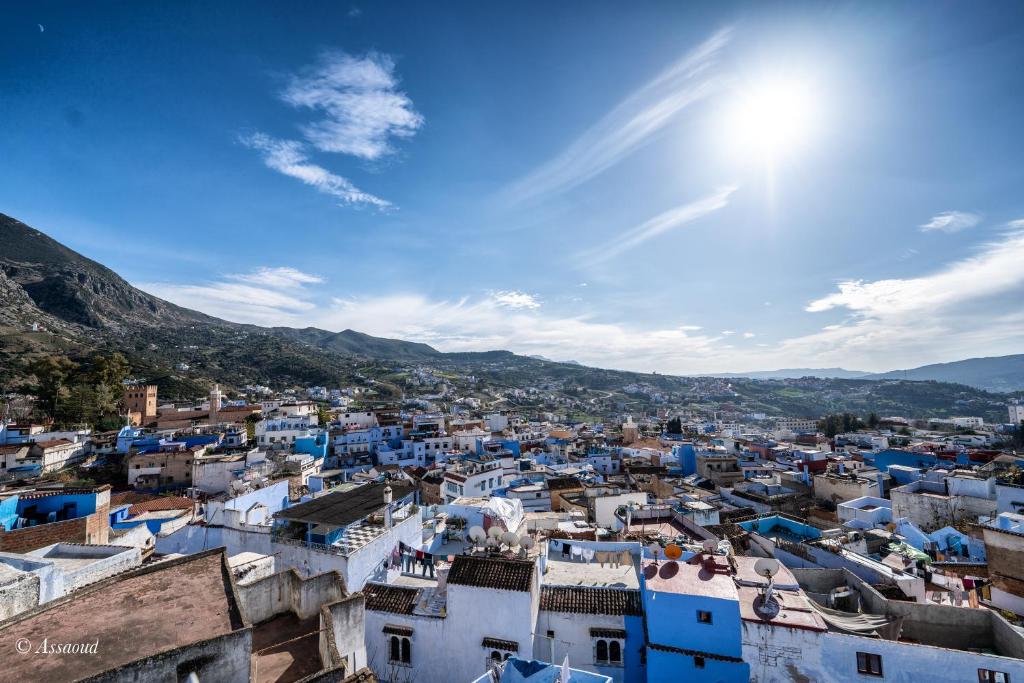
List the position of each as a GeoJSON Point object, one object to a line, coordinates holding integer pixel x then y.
{"type": "Point", "coordinates": [995, 373]}
{"type": "Point", "coordinates": [57, 301]}
{"type": "Point", "coordinates": [1000, 374]}
{"type": "Point", "coordinates": [796, 373]}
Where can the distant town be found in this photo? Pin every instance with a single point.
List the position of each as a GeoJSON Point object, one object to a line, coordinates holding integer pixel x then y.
{"type": "Point", "coordinates": [319, 535]}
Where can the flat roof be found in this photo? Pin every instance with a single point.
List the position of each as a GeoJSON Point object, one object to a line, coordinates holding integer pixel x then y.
{"type": "Point", "coordinates": [561, 572]}
{"type": "Point", "coordinates": [684, 578]}
{"type": "Point", "coordinates": [140, 614]}
{"type": "Point", "coordinates": [341, 508]}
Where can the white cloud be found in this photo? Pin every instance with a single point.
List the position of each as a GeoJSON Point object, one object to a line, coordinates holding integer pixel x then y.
{"type": "Point", "coordinates": [629, 125]}
{"type": "Point", "coordinates": [660, 224]}
{"type": "Point", "coordinates": [362, 105]}
{"type": "Point", "coordinates": [749, 335]}
{"type": "Point", "coordinates": [951, 221]}
{"type": "Point", "coordinates": [282, 277]}
{"type": "Point", "coordinates": [481, 325]}
{"type": "Point", "coordinates": [289, 158]}
{"type": "Point", "coordinates": [513, 299]}
{"type": "Point", "coordinates": [965, 309]}
{"type": "Point", "coordinates": [264, 296]}
{"type": "Point", "coordinates": [994, 270]}
{"type": "Point", "coordinates": [728, 333]}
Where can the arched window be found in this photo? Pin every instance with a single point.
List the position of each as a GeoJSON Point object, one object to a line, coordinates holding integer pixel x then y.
{"type": "Point", "coordinates": [508, 655]}
{"type": "Point", "coordinates": [495, 656]}
{"type": "Point", "coordinates": [602, 651]}
{"type": "Point", "coordinates": [406, 650]}
{"type": "Point", "coordinates": [396, 652]}
{"type": "Point", "coordinates": [615, 652]}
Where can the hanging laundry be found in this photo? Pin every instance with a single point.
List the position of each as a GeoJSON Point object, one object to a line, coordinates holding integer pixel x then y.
{"type": "Point", "coordinates": [588, 554]}
{"type": "Point", "coordinates": [577, 551]}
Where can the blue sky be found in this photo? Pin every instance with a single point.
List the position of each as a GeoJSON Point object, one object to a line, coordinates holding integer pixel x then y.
{"type": "Point", "coordinates": [653, 186]}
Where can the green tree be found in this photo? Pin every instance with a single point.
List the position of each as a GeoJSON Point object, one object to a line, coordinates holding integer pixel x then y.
{"type": "Point", "coordinates": [52, 374]}
{"type": "Point", "coordinates": [250, 425]}
{"type": "Point", "coordinates": [675, 426]}
{"type": "Point", "coordinates": [873, 420]}
{"type": "Point", "coordinates": [111, 369]}
{"type": "Point", "coordinates": [323, 415]}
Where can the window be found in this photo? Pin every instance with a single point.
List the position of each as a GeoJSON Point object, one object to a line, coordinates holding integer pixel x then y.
{"type": "Point", "coordinates": [614, 652]}
{"type": "Point", "coordinates": [703, 617]}
{"type": "Point", "coordinates": [601, 656]}
{"type": "Point", "coordinates": [989, 676]}
{"type": "Point", "coordinates": [400, 651]}
{"type": "Point", "coordinates": [868, 663]}
{"type": "Point", "coordinates": [698, 662]}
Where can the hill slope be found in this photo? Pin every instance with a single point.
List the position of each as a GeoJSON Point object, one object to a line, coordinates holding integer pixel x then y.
{"type": "Point", "coordinates": [999, 373]}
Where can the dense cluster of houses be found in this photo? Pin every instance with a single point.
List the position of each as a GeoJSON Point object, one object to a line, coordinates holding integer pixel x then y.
{"type": "Point", "coordinates": [291, 540]}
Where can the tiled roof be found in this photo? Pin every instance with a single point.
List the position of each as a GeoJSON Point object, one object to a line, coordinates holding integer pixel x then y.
{"type": "Point", "coordinates": [393, 630]}
{"type": "Point", "coordinates": [395, 599]}
{"type": "Point", "coordinates": [54, 443]}
{"type": "Point", "coordinates": [159, 504]}
{"type": "Point", "coordinates": [7, 450]}
{"type": "Point", "coordinates": [499, 644]}
{"type": "Point", "coordinates": [491, 572]}
{"type": "Point", "coordinates": [591, 600]}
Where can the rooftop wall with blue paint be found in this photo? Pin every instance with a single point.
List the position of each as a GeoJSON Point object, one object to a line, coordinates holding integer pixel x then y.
{"type": "Point", "coordinates": [8, 512]}
{"type": "Point", "coordinates": [687, 456]}
{"type": "Point", "coordinates": [274, 497]}
{"type": "Point", "coordinates": [891, 456]}
{"type": "Point", "coordinates": [775, 523]}
{"type": "Point", "coordinates": [312, 445]}
{"type": "Point", "coordinates": [84, 504]}
{"type": "Point", "coordinates": [200, 440]}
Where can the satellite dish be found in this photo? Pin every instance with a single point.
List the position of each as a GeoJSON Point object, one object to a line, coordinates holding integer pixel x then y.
{"type": "Point", "coordinates": [478, 534]}
{"type": "Point", "coordinates": [527, 542]}
{"type": "Point", "coordinates": [494, 532]}
{"type": "Point", "coordinates": [510, 539]}
{"type": "Point", "coordinates": [673, 552]}
{"type": "Point", "coordinates": [709, 546]}
{"type": "Point", "coordinates": [492, 543]}
{"type": "Point", "coordinates": [766, 567]}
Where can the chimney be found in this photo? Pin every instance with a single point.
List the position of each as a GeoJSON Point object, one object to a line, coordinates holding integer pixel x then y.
{"type": "Point", "coordinates": [387, 506]}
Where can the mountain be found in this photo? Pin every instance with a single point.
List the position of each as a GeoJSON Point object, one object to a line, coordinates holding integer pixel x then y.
{"type": "Point", "coordinates": [58, 302]}
{"type": "Point", "coordinates": [998, 373]}
{"type": "Point", "coordinates": [796, 373]}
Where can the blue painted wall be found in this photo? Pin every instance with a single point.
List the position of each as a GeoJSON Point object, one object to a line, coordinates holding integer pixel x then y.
{"type": "Point", "coordinates": [687, 456]}
{"type": "Point", "coordinates": [8, 512]}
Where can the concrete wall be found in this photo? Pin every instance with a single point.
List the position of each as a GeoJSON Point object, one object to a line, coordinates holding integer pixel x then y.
{"type": "Point", "coordinates": [287, 591]}
{"type": "Point", "coordinates": [19, 592]}
{"type": "Point", "coordinates": [225, 659]}
{"type": "Point", "coordinates": [104, 561]}
{"type": "Point", "coordinates": [343, 633]}
{"type": "Point", "coordinates": [572, 638]}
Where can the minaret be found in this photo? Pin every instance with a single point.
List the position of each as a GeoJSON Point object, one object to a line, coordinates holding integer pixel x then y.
{"type": "Point", "coordinates": [215, 398]}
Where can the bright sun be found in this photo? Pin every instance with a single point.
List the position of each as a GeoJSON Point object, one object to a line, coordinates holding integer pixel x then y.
{"type": "Point", "coordinates": [772, 119]}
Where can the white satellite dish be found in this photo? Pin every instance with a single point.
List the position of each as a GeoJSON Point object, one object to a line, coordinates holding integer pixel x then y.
{"type": "Point", "coordinates": [478, 534]}
{"type": "Point", "coordinates": [494, 532]}
{"type": "Point", "coordinates": [527, 542]}
{"type": "Point", "coordinates": [766, 567]}
{"type": "Point", "coordinates": [510, 539]}
{"type": "Point", "coordinates": [492, 543]}
{"type": "Point", "coordinates": [709, 546]}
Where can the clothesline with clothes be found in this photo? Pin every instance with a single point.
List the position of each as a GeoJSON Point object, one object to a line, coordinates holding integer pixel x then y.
{"type": "Point", "coordinates": [409, 559]}
{"type": "Point", "coordinates": [612, 558]}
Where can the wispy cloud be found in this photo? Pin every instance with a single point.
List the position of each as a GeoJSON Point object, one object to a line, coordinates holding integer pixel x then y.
{"type": "Point", "coordinates": [629, 125]}
{"type": "Point", "coordinates": [951, 221]}
{"type": "Point", "coordinates": [660, 224]}
{"type": "Point", "coordinates": [362, 106]}
{"type": "Point", "coordinates": [749, 335]}
{"type": "Point", "coordinates": [289, 158]}
{"type": "Point", "coordinates": [995, 269]}
{"type": "Point", "coordinates": [280, 278]}
{"type": "Point", "coordinates": [513, 299]}
{"type": "Point", "coordinates": [265, 296]}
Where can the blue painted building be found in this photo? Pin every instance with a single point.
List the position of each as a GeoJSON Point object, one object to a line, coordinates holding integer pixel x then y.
{"type": "Point", "coordinates": [686, 454]}
{"type": "Point", "coordinates": [694, 630]}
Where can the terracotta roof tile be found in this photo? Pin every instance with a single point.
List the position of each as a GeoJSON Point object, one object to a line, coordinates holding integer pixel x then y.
{"type": "Point", "coordinates": [491, 572]}
{"type": "Point", "coordinates": [395, 599]}
{"type": "Point", "coordinates": [591, 600]}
